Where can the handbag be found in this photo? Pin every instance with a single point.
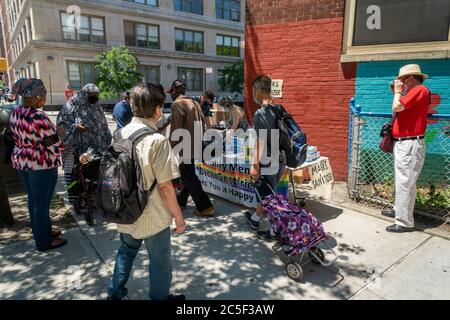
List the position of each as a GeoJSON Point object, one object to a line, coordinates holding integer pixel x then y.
{"type": "Point", "coordinates": [7, 146]}
{"type": "Point", "coordinates": [50, 140]}
{"type": "Point", "coordinates": [387, 141]}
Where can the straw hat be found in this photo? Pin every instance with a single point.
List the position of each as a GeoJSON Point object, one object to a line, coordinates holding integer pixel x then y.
{"type": "Point", "coordinates": [411, 70]}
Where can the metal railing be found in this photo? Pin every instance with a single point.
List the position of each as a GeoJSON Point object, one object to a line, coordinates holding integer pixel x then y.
{"type": "Point", "coordinates": [371, 171]}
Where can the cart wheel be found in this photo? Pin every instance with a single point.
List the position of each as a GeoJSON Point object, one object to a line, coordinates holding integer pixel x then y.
{"type": "Point", "coordinates": [319, 253]}
{"type": "Point", "coordinates": [294, 271]}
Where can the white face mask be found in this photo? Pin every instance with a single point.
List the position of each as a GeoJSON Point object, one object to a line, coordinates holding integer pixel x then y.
{"type": "Point", "coordinates": [256, 100]}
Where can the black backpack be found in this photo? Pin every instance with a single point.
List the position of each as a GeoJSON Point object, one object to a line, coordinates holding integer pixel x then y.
{"type": "Point", "coordinates": [120, 194]}
{"type": "Point", "coordinates": [293, 139]}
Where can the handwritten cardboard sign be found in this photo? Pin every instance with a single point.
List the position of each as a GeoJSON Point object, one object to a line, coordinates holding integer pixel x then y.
{"type": "Point", "coordinates": [321, 173]}
{"type": "Point", "coordinates": [277, 88]}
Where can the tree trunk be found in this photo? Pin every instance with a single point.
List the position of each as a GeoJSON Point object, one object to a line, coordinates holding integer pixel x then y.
{"type": "Point", "coordinates": [6, 217]}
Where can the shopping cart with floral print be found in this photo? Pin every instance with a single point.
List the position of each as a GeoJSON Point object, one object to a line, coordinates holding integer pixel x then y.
{"type": "Point", "coordinates": [298, 232]}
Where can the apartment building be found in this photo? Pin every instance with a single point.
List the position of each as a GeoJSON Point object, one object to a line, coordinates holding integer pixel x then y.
{"type": "Point", "coordinates": [58, 40]}
{"type": "Point", "coordinates": [4, 44]}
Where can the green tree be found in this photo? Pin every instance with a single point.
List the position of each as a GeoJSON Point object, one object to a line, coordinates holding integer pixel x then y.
{"type": "Point", "coordinates": [117, 72]}
{"type": "Point", "coordinates": [232, 78]}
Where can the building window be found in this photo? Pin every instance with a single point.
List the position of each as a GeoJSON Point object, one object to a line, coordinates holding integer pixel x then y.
{"type": "Point", "coordinates": [92, 29]}
{"type": "Point", "coordinates": [151, 74]}
{"type": "Point", "coordinates": [228, 10]}
{"type": "Point", "coordinates": [192, 77]}
{"type": "Point", "coordinates": [33, 70]}
{"type": "Point", "coordinates": [147, 36]}
{"type": "Point", "coordinates": [81, 73]}
{"type": "Point", "coordinates": [191, 6]}
{"type": "Point", "coordinates": [141, 35]}
{"type": "Point", "coordinates": [372, 32]}
{"type": "Point", "coordinates": [188, 41]}
{"type": "Point", "coordinates": [227, 46]}
{"type": "Point", "coordinates": [147, 2]}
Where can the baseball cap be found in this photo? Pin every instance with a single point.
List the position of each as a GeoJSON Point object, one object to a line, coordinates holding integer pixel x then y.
{"type": "Point", "coordinates": [176, 84]}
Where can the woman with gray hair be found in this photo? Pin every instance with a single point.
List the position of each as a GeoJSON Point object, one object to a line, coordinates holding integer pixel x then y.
{"type": "Point", "coordinates": [82, 125]}
{"type": "Point", "coordinates": [36, 156]}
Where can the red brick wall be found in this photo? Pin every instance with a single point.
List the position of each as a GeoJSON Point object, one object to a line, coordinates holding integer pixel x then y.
{"type": "Point", "coordinates": [304, 53]}
{"type": "Point", "coordinates": [283, 11]}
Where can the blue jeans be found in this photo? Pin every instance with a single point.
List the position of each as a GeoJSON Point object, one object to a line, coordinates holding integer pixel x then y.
{"type": "Point", "coordinates": [160, 268]}
{"type": "Point", "coordinates": [40, 185]}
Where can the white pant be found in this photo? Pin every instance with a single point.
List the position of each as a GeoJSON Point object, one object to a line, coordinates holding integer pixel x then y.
{"type": "Point", "coordinates": [409, 156]}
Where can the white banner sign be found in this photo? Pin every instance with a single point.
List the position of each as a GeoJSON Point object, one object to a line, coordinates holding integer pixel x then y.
{"type": "Point", "coordinates": [228, 181]}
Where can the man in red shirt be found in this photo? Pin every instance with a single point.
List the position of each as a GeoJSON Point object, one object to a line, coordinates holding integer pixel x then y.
{"type": "Point", "coordinates": [409, 147]}
{"type": "Point", "coordinates": [68, 93]}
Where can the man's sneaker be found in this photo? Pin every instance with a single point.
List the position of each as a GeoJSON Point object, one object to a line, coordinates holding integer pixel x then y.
{"type": "Point", "coordinates": [266, 235]}
{"type": "Point", "coordinates": [252, 223]}
{"type": "Point", "coordinates": [208, 213]}
{"type": "Point", "coordinates": [176, 297]}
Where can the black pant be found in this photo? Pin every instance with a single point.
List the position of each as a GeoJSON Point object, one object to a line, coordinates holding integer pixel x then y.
{"type": "Point", "coordinates": [193, 187]}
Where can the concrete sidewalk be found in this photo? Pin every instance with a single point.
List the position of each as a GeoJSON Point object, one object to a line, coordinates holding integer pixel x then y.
{"type": "Point", "coordinates": [220, 258]}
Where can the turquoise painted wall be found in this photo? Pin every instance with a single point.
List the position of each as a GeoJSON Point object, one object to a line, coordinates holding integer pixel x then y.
{"type": "Point", "coordinates": [373, 95]}
{"type": "Point", "coordinates": [373, 78]}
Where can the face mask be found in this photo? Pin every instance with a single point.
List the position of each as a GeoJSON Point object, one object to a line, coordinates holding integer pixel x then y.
{"type": "Point", "coordinates": [93, 100]}
{"type": "Point", "coordinates": [256, 101]}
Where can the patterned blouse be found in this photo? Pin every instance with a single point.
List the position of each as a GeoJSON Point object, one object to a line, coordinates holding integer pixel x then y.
{"type": "Point", "coordinates": [29, 127]}
{"type": "Point", "coordinates": [79, 110]}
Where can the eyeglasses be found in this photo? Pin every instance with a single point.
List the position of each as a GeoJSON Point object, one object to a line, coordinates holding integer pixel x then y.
{"type": "Point", "coordinates": [403, 79]}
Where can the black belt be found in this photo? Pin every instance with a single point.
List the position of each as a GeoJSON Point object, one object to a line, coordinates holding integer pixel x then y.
{"type": "Point", "coordinates": [409, 138]}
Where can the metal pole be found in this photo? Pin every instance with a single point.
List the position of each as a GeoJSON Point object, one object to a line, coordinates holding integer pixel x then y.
{"type": "Point", "coordinates": [354, 161]}
{"type": "Point", "coordinates": [51, 91]}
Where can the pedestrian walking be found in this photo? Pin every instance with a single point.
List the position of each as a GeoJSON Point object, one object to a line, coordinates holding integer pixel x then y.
{"type": "Point", "coordinates": [153, 227]}
{"type": "Point", "coordinates": [265, 124]}
{"type": "Point", "coordinates": [187, 115]}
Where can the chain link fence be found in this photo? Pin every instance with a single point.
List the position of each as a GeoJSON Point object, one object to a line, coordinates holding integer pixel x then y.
{"type": "Point", "coordinates": [371, 171]}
